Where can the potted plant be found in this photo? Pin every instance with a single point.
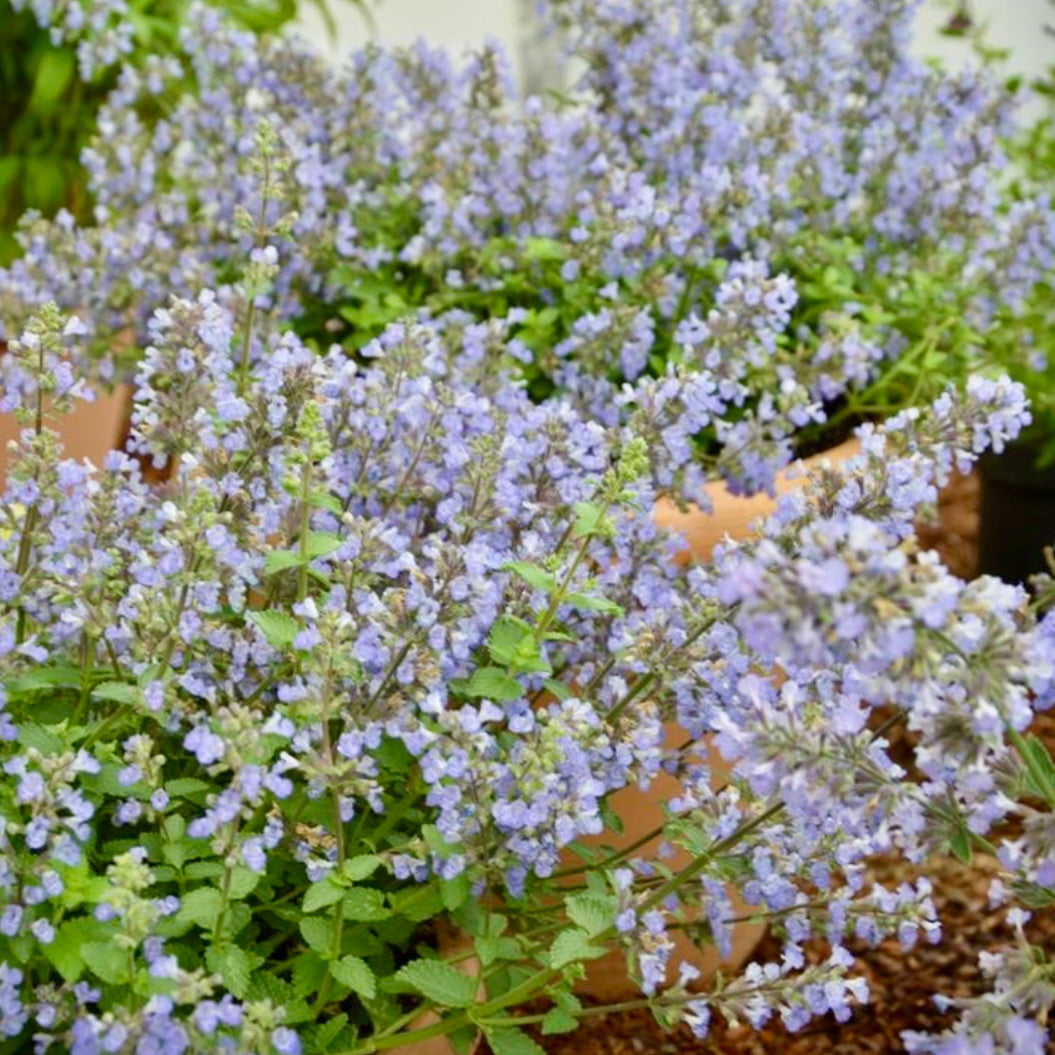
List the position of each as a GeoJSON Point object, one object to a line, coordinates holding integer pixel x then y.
{"type": "Point", "coordinates": [758, 335]}
{"type": "Point", "coordinates": [59, 62]}
{"type": "Point", "coordinates": [612, 236]}
{"type": "Point", "coordinates": [267, 721]}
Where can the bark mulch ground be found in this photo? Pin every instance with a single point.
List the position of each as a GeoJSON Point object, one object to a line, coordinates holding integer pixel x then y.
{"type": "Point", "coordinates": [902, 984]}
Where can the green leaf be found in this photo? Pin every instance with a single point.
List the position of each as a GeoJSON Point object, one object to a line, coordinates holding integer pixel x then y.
{"type": "Point", "coordinates": [592, 603]}
{"type": "Point", "coordinates": [455, 891]}
{"type": "Point", "coordinates": [365, 905]}
{"type": "Point", "coordinates": [324, 500]}
{"type": "Point", "coordinates": [54, 76]}
{"type": "Point", "coordinates": [106, 961]}
{"type": "Point", "coordinates": [309, 971]}
{"type": "Point", "coordinates": [543, 249]}
{"type": "Point", "coordinates": [185, 787]}
{"type": "Point", "coordinates": [321, 894]}
{"type": "Point", "coordinates": [360, 867]}
{"type": "Point", "coordinates": [323, 543]}
{"type": "Point", "coordinates": [242, 883]}
{"type": "Point", "coordinates": [558, 688]}
{"type": "Point", "coordinates": [512, 1042]}
{"type": "Point", "coordinates": [960, 844]}
{"type": "Point", "coordinates": [506, 635]}
{"type": "Point", "coordinates": [356, 974]}
{"type": "Point", "coordinates": [438, 981]}
{"type": "Point", "coordinates": [282, 560]}
{"type": "Point", "coordinates": [44, 679]}
{"type": "Point", "coordinates": [494, 684]}
{"type": "Point", "coordinates": [419, 902]}
{"type": "Point", "coordinates": [490, 949]}
{"type": "Point", "coordinates": [537, 578]}
{"type": "Point", "coordinates": [200, 906]}
{"type": "Point", "coordinates": [64, 953]}
{"type": "Point", "coordinates": [558, 1020]}
{"type": "Point", "coordinates": [1041, 777]}
{"type": "Point", "coordinates": [589, 520]}
{"type": "Point", "coordinates": [317, 931]}
{"type": "Point", "coordinates": [327, 1033]}
{"type": "Point", "coordinates": [31, 735]}
{"type": "Point", "coordinates": [572, 945]}
{"type": "Point", "coordinates": [591, 912]}
{"type": "Point", "coordinates": [277, 627]}
{"type": "Point", "coordinates": [232, 965]}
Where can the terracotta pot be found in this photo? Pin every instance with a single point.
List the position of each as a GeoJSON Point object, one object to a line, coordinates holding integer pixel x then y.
{"type": "Point", "coordinates": [90, 431]}
{"type": "Point", "coordinates": [733, 515]}
{"type": "Point", "coordinates": [642, 811]}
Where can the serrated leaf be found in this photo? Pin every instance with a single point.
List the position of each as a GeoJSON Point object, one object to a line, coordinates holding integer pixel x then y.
{"type": "Point", "coordinates": [317, 931]}
{"type": "Point", "coordinates": [558, 1020]}
{"type": "Point", "coordinates": [573, 945]}
{"type": "Point", "coordinates": [118, 692]}
{"type": "Point", "coordinates": [309, 971]}
{"type": "Point", "coordinates": [505, 636]}
{"type": "Point", "coordinates": [591, 912]}
{"type": "Point", "coordinates": [282, 560]}
{"type": "Point", "coordinates": [44, 678]}
{"type": "Point", "coordinates": [494, 684]}
{"type": "Point", "coordinates": [327, 1033]}
{"type": "Point", "coordinates": [322, 544]}
{"type": "Point", "coordinates": [960, 844]}
{"type": "Point", "coordinates": [356, 974]}
{"type": "Point", "coordinates": [278, 628]}
{"type": "Point", "coordinates": [232, 965]}
{"type": "Point", "coordinates": [360, 867]}
{"type": "Point", "coordinates": [593, 603]}
{"type": "Point", "coordinates": [537, 578]}
{"type": "Point", "coordinates": [365, 905]}
{"type": "Point", "coordinates": [106, 961]}
{"type": "Point", "coordinates": [512, 1042]}
{"type": "Point", "coordinates": [321, 894]}
{"type": "Point", "coordinates": [439, 982]}
{"type": "Point", "coordinates": [242, 883]}
{"type": "Point", "coordinates": [64, 953]}
{"type": "Point", "coordinates": [201, 906]}
{"type": "Point", "coordinates": [589, 519]}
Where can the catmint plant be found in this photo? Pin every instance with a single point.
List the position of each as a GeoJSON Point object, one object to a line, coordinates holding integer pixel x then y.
{"type": "Point", "coordinates": [59, 64]}
{"type": "Point", "coordinates": [711, 157]}
{"type": "Point", "coordinates": [381, 649]}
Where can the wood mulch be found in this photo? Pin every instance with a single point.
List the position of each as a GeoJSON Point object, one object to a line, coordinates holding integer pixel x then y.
{"type": "Point", "coordinates": [902, 984]}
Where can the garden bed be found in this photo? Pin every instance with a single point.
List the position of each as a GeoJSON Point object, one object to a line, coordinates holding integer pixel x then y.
{"type": "Point", "coordinates": [902, 986]}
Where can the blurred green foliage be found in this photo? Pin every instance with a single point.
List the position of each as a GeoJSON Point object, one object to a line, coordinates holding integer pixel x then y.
{"type": "Point", "coordinates": [48, 113]}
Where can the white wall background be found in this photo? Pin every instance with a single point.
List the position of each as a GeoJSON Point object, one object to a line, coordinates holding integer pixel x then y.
{"type": "Point", "coordinates": [463, 24]}
{"type": "Point", "coordinates": [1017, 25]}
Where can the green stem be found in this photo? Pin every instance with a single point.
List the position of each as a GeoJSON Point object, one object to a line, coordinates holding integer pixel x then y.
{"type": "Point", "coordinates": [305, 521]}
{"type": "Point", "coordinates": [225, 885]}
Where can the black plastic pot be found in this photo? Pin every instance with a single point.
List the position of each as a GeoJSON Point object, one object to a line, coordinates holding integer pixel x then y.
{"type": "Point", "coordinates": [1017, 515]}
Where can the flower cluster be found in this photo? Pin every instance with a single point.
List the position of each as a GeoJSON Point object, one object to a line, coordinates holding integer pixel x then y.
{"type": "Point", "coordinates": [387, 632]}
{"type": "Point", "coordinates": [102, 31]}
{"type": "Point", "coordinates": [713, 157]}
{"type": "Point", "coordinates": [387, 644]}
